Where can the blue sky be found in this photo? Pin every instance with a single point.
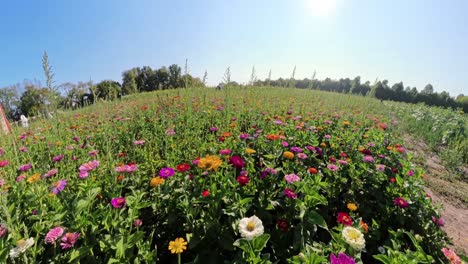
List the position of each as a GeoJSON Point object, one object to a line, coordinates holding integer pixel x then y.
{"type": "Point", "coordinates": [414, 41]}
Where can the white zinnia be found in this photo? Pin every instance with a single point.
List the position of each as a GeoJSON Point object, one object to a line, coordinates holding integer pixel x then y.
{"type": "Point", "coordinates": [21, 246]}
{"type": "Point", "coordinates": [250, 227]}
{"type": "Point", "coordinates": [354, 238]}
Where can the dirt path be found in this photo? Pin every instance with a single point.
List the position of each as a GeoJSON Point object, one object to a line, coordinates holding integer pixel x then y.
{"type": "Point", "coordinates": [452, 194]}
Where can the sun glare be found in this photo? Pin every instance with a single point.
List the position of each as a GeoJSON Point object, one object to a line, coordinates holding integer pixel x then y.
{"type": "Point", "coordinates": [322, 8]}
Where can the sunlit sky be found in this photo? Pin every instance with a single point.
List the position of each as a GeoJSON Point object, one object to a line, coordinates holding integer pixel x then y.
{"type": "Point", "coordinates": [416, 41]}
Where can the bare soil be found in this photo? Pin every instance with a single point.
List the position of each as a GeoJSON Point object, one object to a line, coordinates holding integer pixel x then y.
{"type": "Point", "coordinates": [445, 190]}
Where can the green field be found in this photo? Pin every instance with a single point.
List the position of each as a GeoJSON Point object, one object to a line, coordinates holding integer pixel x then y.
{"type": "Point", "coordinates": [323, 174]}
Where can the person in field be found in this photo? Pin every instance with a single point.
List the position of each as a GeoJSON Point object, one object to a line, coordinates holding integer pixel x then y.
{"type": "Point", "coordinates": [5, 126]}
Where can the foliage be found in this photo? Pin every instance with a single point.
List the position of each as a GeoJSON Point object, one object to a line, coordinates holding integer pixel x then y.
{"type": "Point", "coordinates": [126, 178]}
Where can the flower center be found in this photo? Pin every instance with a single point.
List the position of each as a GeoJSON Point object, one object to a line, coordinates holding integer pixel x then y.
{"type": "Point", "coordinates": [21, 243]}
{"type": "Point", "coordinates": [251, 226]}
{"type": "Point", "coordinates": [354, 235]}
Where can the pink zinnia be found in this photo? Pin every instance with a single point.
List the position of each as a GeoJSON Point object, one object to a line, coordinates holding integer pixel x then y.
{"type": "Point", "coordinates": [438, 221]}
{"type": "Point", "coordinates": [54, 234]}
{"type": "Point", "coordinates": [59, 186]}
{"type": "Point", "coordinates": [57, 158]}
{"type": "Point", "coordinates": [368, 159]}
{"type": "Point", "coordinates": [290, 193]}
{"type": "Point", "coordinates": [3, 163]}
{"type": "Point", "coordinates": [25, 167]}
{"type": "Point", "coordinates": [3, 230]}
{"type": "Point", "coordinates": [302, 156]}
{"type": "Point", "coordinates": [341, 259]}
{"type": "Point", "coordinates": [451, 256]}
{"type": "Point", "coordinates": [380, 167]}
{"type": "Point", "coordinates": [118, 202]}
{"type": "Point", "coordinates": [400, 202]}
{"type": "Point", "coordinates": [138, 142]}
{"type": "Point", "coordinates": [290, 178]}
{"type": "Point", "coordinates": [332, 167]}
{"type": "Point", "coordinates": [225, 152]}
{"type": "Point", "coordinates": [69, 240]}
{"type": "Point", "coordinates": [50, 173]}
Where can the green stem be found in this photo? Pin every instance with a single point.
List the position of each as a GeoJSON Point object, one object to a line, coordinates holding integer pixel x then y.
{"type": "Point", "coordinates": [178, 258]}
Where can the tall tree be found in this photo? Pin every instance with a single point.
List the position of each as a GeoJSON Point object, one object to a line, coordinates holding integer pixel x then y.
{"type": "Point", "coordinates": [129, 83]}
{"type": "Point", "coordinates": [227, 76]}
{"type": "Point", "coordinates": [175, 80]}
{"type": "Point", "coordinates": [205, 77]}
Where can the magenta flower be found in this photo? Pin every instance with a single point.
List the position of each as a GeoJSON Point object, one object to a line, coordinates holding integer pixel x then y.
{"type": "Point", "coordinates": [3, 230]}
{"type": "Point", "coordinates": [166, 172]}
{"type": "Point", "coordinates": [83, 174]}
{"type": "Point", "coordinates": [59, 186]}
{"type": "Point", "coordinates": [54, 234]}
{"type": "Point", "coordinates": [368, 159]}
{"type": "Point", "coordinates": [118, 202]}
{"type": "Point", "coordinates": [341, 259]}
{"type": "Point", "coordinates": [57, 158]}
{"type": "Point", "coordinates": [400, 202]}
{"type": "Point", "coordinates": [1, 151]}
{"type": "Point", "coordinates": [244, 136]}
{"type": "Point", "coordinates": [296, 149]}
{"type": "Point", "coordinates": [3, 163]}
{"type": "Point", "coordinates": [69, 240]}
{"type": "Point", "coordinates": [225, 152]}
{"type": "Point", "coordinates": [410, 173]}
{"type": "Point", "coordinates": [213, 129]}
{"type": "Point", "coordinates": [23, 149]}
{"type": "Point", "coordinates": [93, 153]}
{"type": "Point", "coordinates": [290, 193]}
{"type": "Point", "coordinates": [237, 162]}
{"type": "Point", "coordinates": [25, 167]}
{"type": "Point", "coordinates": [284, 144]}
{"type": "Point", "coordinates": [290, 178]}
{"type": "Point", "coordinates": [438, 221]}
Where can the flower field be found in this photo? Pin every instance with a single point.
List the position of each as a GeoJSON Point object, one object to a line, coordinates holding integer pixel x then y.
{"type": "Point", "coordinates": [258, 175]}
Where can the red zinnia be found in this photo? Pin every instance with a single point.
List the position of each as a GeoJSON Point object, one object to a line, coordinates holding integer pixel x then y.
{"type": "Point", "coordinates": [205, 193]}
{"type": "Point", "coordinates": [282, 224]}
{"type": "Point", "coordinates": [183, 167]}
{"type": "Point", "coordinates": [344, 219]}
{"type": "Point", "coordinates": [312, 170]}
{"type": "Point", "coordinates": [243, 180]}
{"type": "Point", "coordinates": [237, 162]}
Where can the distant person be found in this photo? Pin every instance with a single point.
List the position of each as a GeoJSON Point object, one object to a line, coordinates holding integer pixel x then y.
{"type": "Point", "coordinates": [24, 121]}
{"type": "Point", "coordinates": [219, 87]}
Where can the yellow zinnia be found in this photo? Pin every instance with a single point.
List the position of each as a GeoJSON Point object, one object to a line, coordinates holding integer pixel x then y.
{"type": "Point", "coordinates": [250, 151]}
{"type": "Point", "coordinates": [156, 181]}
{"type": "Point", "coordinates": [288, 155]}
{"type": "Point", "coordinates": [352, 206]}
{"type": "Point", "coordinates": [177, 246]}
{"type": "Point", "coordinates": [34, 178]}
{"type": "Point", "coordinates": [210, 162]}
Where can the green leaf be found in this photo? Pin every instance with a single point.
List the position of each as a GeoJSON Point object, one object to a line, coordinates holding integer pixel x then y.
{"type": "Point", "coordinates": [260, 242]}
{"type": "Point", "coordinates": [243, 244]}
{"type": "Point", "coordinates": [317, 219]}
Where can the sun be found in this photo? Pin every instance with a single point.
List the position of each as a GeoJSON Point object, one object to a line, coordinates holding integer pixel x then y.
{"type": "Point", "coordinates": [322, 8]}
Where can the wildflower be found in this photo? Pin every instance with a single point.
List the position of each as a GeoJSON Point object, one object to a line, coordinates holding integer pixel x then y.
{"type": "Point", "coordinates": [129, 168]}
{"type": "Point", "coordinates": [352, 206]}
{"type": "Point", "coordinates": [410, 173]}
{"type": "Point", "coordinates": [166, 172]}
{"type": "Point", "coordinates": [25, 167]}
{"type": "Point", "coordinates": [364, 226]}
{"type": "Point", "coordinates": [250, 151]}
{"type": "Point", "coordinates": [327, 136]}
{"type": "Point", "coordinates": [118, 202]}
{"type": "Point", "coordinates": [244, 136]}
{"type": "Point", "coordinates": [341, 259]}
{"type": "Point", "coordinates": [170, 132]}
{"type": "Point", "coordinates": [250, 227]}
{"type": "Point", "coordinates": [332, 167]}
{"type": "Point", "coordinates": [344, 218]}
{"type": "Point", "coordinates": [451, 256]}
{"type": "Point", "coordinates": [206, 193]}
{"type": "Point", "coordinates": [354, 238]}
{"type": "Point", "coordinates": [3, 230]}
{"type": "Point", "coordinates": [50, 173]}
{"type": "Point", "coordinates": [3, 163]}
{"type": "Point", "coordinates": [368, 159]}
{"type": "Point", "coordinates": [139, 142]}
{"type": "Point", "coordinates": [179, 245]}
{"type": "Point", "coordinates": [284, 144]}
{"type": "Point", "coordinates": [210, 163]}
{"type": "Point", "coordinates": [59, 186]}
{"type": "Point", "coordinates": [156, 181]}
{"type": "Point", "coordinates": [296, 149]}
{"type": "Point", "coordinates": [21, 246]}
{"type": "Point", "coordinates": [400, 202]}
{"type": "Point", "coordinates": [438, 221]}
{"type": "Point", "coordinates": [20, 178]}
{"type": "Point", "coordinates": [213, 129]}
{"type": "Point", "coordinates": [288, 155]}
{"type": "Point", "coordinates": [272, 137]}
{"type": "Point", "coordinates": [23, 149]}
{"type": "Point", "coordinates": [290, 193]}
{"type": "Point", "coordinates": [88, 166]}
{"type": "Point", "coordinates": [93, 153]}
{"type": "Point", "coordinates": [34, 178]}
{"type": "Point", "coordinates": [183, 167]}
{"type": "Point", "coordinates": [225, 152]}
{"type": "Point", "coordinates": [312, 170]}
{"type": "Point", "coordinates": [282, 224]}
{"type": "Point", "coordinates": [243, 180]}
{"type": "Point", "coordinates": [380, 167]}
{"type": "Point", "coordinates": [237, 162]}
{"type": "Point", "coordinates": [54, 234]}
{"type": "Point", "coordinates": [290, 178]}
{"type": "Point", "coordinates": [69, 240]}
{"type": "Point", "coordinates": [137, 223]}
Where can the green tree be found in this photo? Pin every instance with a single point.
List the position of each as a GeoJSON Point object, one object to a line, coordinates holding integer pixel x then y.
{"type": "Point", "coordinates": [108, 90]}
{"type": "Point", "coordinates": [129, 83]}
{"type": "Point", "coordinates": [10, 101]}
{"type": "Point", "coordinates": [33, 100]}
{"type": "Point", "coordinates": [175, 78]}
{"type": "Point", "coordinates": [162, 78]}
